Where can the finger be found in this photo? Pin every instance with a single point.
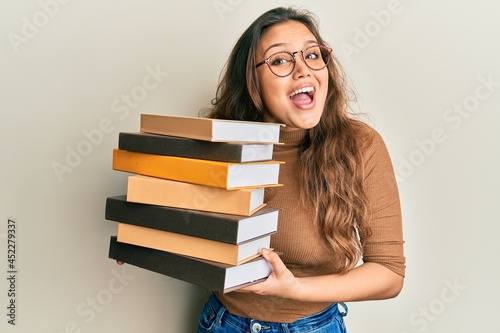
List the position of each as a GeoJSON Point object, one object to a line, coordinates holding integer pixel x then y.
{"type": "Point", "coordinates": [274, 259]}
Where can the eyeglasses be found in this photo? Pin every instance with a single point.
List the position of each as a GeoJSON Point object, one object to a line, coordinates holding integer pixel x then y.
{"type": "Point", "coordinates": [283, 63]}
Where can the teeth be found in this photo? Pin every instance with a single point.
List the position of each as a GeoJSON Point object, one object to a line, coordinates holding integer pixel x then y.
{"type": "Point", "coordinates": [302, 90]}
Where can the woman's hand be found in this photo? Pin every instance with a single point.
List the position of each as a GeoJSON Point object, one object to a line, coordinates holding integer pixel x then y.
{"type": "Point", "coordinates": [368, 281]}
{"type": "Point", "coordinates": [281, 282]}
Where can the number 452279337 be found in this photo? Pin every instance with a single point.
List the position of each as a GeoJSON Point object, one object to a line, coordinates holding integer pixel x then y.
{"type": "Point", "coordinates": [11, 244]}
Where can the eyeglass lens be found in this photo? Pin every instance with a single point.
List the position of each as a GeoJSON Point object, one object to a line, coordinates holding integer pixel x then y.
{"type": "Point", "coordinates": [315, 57]}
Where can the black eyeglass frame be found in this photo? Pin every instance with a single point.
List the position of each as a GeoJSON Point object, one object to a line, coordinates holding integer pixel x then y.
{"type": "Point", "coordinates": [322, 47]}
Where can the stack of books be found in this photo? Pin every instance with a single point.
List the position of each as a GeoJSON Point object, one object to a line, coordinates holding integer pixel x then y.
{"type": "Point", "coordinates": [194, 208]}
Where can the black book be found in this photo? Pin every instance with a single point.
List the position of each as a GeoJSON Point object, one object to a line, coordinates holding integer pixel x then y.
{"type": "Point", "coordinates": [208, 274]}
{"type": "Point", "coordinates": [192, 148]}
{"type": "Point", "coordinates": [220, 227]}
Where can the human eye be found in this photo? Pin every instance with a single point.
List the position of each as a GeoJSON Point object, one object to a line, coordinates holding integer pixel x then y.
{"type": "Point", "coordinates": [280, 59]}
{"type": "Point", "coordinates": [313, 53]}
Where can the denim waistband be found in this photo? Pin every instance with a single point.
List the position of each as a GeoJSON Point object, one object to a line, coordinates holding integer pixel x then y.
{"type": "Point", "coordinates": [253, 325]}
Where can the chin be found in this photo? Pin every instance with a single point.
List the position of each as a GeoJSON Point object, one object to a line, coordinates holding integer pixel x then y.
{"type": "Point", "coordinates": [311, 121]}
{"type": "Point", "coordinates": [309, 126]}
{"type": "Point", "coordinates": [304, 124]}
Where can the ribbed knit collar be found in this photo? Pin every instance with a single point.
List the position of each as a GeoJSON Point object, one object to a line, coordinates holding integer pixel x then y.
{"type": "Point", "coordinates": [292, 138]}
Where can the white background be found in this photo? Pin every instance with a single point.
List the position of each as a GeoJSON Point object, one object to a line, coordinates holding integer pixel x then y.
{"type": "Point", "coordinates": [66, 70]}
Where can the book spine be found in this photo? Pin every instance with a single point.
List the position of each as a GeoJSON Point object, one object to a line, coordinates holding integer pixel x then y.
{"type": "Point", "coordinates": [180, 147]}
{"type": "Point", "coordinates": [154, 191]}
{"type": "Point", "coordinates": [179, 267]}
{"type": "Point", "coordinates": [201, 172]}
{"type": "Point", "coordinates": [180, 244]}
{"type": "Point", "coordinates": [184, 221]}
{"type": "Point", "coordinates": [231, 254]}
{"type": "Point", "coordinates": [188, 127]}
{"type": "Point", "coordinates": [210, 129]}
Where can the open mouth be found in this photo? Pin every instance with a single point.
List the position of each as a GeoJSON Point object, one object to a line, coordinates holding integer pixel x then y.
{"type": "Point", "coordinates": [303, 97]}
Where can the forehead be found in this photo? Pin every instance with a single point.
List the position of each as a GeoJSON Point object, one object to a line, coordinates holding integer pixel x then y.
{"type": "Point", "coordinates": [290, 34]}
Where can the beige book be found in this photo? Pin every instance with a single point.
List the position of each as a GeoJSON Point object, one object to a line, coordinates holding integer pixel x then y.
{"type": "Point", "coordinates": [164, 192]}
{"type": "Point", "coordinates": [231, 254]}
{"type": "Point", "coordinates": [218, 130]}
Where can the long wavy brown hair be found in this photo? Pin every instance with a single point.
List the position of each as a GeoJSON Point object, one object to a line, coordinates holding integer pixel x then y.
{"type": "Point", "coordinates": [331, 170]}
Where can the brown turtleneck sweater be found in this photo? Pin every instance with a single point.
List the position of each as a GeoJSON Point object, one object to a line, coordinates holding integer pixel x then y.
{"type": "Point", "coordinates": [297, 238]}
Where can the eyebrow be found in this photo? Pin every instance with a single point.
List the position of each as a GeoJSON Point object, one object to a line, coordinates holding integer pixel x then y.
{"type": "Point", "coordinates": [311, 41]}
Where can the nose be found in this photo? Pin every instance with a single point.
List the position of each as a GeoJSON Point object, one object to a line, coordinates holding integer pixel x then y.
{"type": "Point", "coordinates": [301, 68]}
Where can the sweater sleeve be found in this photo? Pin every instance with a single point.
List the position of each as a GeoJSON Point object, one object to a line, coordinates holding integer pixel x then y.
{"type": "Point", "coordinates": [385, 244]}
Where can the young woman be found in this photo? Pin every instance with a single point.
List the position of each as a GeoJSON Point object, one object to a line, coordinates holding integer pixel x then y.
{"type": "Point", "coordinates": [340, 229]}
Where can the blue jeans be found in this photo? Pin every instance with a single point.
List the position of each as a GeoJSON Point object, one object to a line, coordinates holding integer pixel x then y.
{"type": "Point", "coordinates": [216, 319]}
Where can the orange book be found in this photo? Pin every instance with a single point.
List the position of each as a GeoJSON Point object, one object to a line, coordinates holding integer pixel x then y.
{"type": "Point", "coordinates": [225, 175]}
{"type": "Point", "coordinates": [232, 254]}
{"type": "Point", "coordinates": [164, 192]}
{"type": "Point", "coordinates": [218, 130]}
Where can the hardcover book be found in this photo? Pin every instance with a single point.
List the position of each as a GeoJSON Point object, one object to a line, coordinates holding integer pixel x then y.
{"type": "Point", "coordinates": [228, 228]}
{"type": "Point", "coordinates": [192, 148]}
{"type": "Point", "coordinates": [211, 275]}
{"type": "Point", "coordinates": [164, 192]}
{"type": "Point", "coordinates": [232, 254]}
{"type": "Point", "coordinates": [225, 175]}
{"type": "Point", "coordinates": [210, 129]}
